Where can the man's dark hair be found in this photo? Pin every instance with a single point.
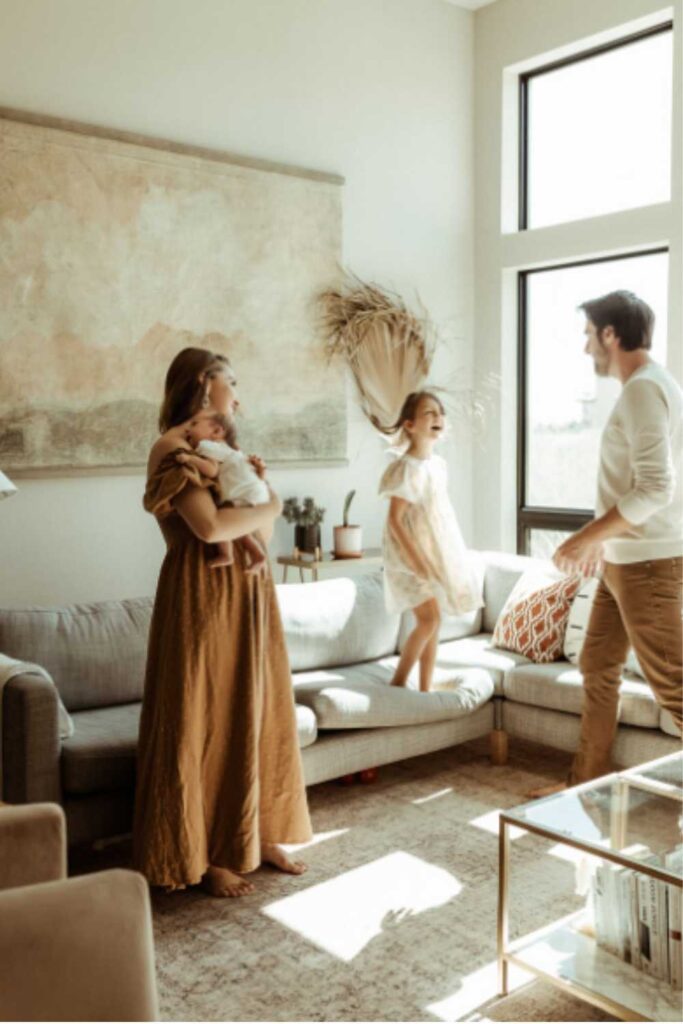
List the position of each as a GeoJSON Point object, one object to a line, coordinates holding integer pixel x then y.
{"type": "Point", "coordinates": [632, 319]}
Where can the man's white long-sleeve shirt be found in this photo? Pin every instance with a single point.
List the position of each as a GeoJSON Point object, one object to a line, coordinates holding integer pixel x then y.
{"type": "Point", "coordinates": [640, 467]}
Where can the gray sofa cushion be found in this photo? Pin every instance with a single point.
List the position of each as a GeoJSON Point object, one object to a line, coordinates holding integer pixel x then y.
{"type": "Point", "coordinates": [479, 652]}
{"type": "Point", "coordinates": [336, 622]}
{"type": "Point", "coordinates": [101, 754]}
{"type": "Point", "coordinates": [306, 726]}
{"type": "Point", "coordinates": [360, 697]}
{"type": "Point", "coordinates": [559, 687]}
{"type": "Point", "coordinates": [501, 573]}
{"type": "Point", "coordinates": [94, 652]}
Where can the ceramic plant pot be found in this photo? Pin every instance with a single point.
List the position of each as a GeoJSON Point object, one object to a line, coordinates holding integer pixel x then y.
{"type": "Point", "coordinates": [348, 542]}
{"type": "Point", "coordinates": [307, 538]}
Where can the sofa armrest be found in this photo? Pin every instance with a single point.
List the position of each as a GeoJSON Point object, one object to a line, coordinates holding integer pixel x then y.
{"type": "Point", "coordinates": [32, 845]}
{"type": "Point", "coordinates": [79, 949]}
{"type": "Point", "coordinates": [30, 741]}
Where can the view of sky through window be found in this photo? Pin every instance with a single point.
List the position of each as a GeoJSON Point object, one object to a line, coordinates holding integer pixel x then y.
{"type": "Point", "coordinates": [599, 133]}
{"type": "Point", "coordinates": [567, 405]}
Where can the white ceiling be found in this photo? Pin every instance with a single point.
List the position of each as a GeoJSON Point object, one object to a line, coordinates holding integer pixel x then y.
{"type": "Point", "coordinates": [471, 5]}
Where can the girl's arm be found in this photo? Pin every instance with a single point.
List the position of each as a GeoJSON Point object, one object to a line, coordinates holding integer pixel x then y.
{"type": "Point", "coordinates": [397, 511]}
{"type": "Point", "coordinates": [212, 525]}
{"type": "Point", "coordinates": [207, 467]}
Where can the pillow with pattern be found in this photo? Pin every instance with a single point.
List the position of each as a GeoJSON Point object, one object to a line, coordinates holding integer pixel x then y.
{"type": "Point", "coordinates": [534, 623]}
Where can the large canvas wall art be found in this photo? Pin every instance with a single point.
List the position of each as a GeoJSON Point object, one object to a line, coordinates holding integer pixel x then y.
{"type": "Point", "coordinates": [115, 254]}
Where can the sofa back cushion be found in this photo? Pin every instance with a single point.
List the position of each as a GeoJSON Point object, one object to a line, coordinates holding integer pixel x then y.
{"type": "Point", "coordinates": [336, 622]}
{"type": "Point", "coordinates": [95, 653]}
{"type": "Point", "coordinates": [501, 573]}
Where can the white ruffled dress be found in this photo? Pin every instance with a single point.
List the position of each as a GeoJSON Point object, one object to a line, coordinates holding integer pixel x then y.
{"type": "Point", "coordinates": [430, 519]}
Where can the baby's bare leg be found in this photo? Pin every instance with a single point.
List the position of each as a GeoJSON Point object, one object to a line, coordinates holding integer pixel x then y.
{"type": "Point", "coordinates": [253, 547]}
{"type": "Point", "coordinates": [225, 555]}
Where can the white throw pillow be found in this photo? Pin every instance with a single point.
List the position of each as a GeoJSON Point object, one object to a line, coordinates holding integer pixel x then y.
{"type": "Point", "coordinates": [579, 614]}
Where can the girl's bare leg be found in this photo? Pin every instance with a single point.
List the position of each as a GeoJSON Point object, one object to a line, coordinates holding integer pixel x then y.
{"type": "Point", "coordinates": [428, 620]}
{"type": "Point", "coordinates": [427, 661]}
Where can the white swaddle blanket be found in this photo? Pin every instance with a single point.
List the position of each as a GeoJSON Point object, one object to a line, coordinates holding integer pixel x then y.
{"type": "Point", "coordinates": [9, 668]}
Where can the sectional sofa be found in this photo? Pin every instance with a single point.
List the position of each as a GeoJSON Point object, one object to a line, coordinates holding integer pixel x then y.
{"type": "Point", "coordinates": [342, 646]}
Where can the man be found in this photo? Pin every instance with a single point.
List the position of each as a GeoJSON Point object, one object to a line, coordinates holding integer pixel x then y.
{"type": "Point", "coordinates": [636, 538]}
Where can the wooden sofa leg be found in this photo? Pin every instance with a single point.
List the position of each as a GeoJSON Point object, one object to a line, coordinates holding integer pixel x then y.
{"type": "Point", "coordinates": [498, 746]}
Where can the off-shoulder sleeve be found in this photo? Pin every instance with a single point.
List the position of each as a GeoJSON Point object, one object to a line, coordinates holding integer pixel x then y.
{"type": "Point", "coordinates": [166, 483]}
{"type": "Point", "coordinates": [401, 479]}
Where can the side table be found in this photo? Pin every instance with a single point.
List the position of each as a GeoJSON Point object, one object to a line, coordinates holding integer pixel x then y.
{"type": "Point", "coordinates": [371, 556]}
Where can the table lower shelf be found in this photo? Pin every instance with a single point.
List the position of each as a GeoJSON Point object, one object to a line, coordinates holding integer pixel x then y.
{"type": "Point", "coordinates": [568, 956]}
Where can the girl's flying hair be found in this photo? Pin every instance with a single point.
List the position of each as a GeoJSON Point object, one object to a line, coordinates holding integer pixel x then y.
{"type": "Point", "coordinates": [409, 410]}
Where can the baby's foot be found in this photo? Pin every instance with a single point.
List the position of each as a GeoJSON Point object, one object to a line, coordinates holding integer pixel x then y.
{"type": "Point", "coordinates": [275, 855]}
{"type": "Point", "coordinates": [221, 559]}
{"type": "Point", "coordinates": [223, 883]}
{"type": "Point", "coordinates": [256, 564]}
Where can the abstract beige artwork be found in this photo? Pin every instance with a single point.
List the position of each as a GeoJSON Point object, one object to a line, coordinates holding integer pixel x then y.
{"type": "Point", "coordinates": [115, 255]}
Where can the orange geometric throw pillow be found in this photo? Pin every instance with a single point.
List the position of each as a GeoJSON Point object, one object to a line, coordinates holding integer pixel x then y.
{"type": "Point", "coordinates": [535, 624]}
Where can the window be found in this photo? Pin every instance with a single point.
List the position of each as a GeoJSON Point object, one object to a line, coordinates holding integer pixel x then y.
{"type": "Point", "coordinates": [596, 131]}
{"type": "Point", "coordinates": [563, 404]}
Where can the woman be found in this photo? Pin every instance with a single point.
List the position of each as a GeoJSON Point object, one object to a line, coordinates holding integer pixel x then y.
{"type": "Point", "coordinates": [220, 783]}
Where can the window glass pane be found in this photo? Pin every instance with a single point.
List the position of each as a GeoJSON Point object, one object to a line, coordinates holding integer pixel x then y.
{"type": "Point", "coordinates": [566, 404]}
{"type": "Point", "coordinates": [544, 543]}
{"type": "Point", "coordinates": [599, 133]}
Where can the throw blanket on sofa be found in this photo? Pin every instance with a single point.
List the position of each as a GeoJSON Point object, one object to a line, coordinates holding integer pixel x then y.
{"type": "Point", "coordinates": [9, 668]}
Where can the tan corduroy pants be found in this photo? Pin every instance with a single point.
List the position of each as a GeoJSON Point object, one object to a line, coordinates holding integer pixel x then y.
{"type": "Point", "coordinates": [639, 606]}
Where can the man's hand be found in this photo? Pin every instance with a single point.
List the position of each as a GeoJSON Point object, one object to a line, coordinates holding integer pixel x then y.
{"type": "Point", "coordinates": [579, 554]}
{"type": "Point", "coordinates": [259, 465]}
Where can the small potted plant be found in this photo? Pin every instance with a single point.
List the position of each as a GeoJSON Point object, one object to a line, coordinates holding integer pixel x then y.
{"type": "Point", "coordinates": [348, 539]}
{"type": "Point", "coordinates": [307, 518]}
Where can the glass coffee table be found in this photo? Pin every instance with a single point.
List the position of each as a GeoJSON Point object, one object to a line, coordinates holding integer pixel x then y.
{"type": "Point", "coordinates": [628, 826]}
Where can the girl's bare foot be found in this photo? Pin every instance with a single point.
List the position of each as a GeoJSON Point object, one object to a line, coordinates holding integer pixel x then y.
{"type": "Point", "coordinates": [398, 682]}
{"type": "Point", "coordinates": [275, 855]}
{"type": "Point", "coordinates": [221, 882]}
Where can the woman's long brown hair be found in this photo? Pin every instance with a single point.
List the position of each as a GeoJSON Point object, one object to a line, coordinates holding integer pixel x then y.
{"type": "Point", "coordinates": [185, 384]}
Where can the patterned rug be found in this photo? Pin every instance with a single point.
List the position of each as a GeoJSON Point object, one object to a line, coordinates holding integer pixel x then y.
{"type": "Point", "coordinates": [395, 919]}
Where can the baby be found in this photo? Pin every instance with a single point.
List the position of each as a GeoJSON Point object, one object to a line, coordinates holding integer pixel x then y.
{"type": "Point", "coordinates": [212, 436]}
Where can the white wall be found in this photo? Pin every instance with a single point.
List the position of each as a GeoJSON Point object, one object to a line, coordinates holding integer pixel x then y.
{"type": "Point", "coordinates": [511, 36]}
{"type": "Point", "coordinates": [379, 91]}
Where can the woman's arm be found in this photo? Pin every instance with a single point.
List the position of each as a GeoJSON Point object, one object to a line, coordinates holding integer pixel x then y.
{"type": "Point", "coordinates": [397, 512]}
{"type": "Point", "coordinates": [211, 524]}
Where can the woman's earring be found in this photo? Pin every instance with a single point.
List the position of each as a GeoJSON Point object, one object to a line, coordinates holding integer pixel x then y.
{"type": "Point", "coordinates": [206, 401]}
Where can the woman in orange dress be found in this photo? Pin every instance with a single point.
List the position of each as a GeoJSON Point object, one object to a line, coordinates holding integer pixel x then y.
{"type": "Point", "coordinates": [220, 782]}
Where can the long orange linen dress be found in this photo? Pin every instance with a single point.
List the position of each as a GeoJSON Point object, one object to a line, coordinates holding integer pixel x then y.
{"type": "Point", "coordinates": [219, 767]}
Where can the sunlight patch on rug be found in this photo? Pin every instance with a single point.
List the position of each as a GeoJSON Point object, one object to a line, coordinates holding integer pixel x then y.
{"type": "Point", "coordinates": [318, 837]}
{"type": "Point", "coordinates": [433, 796]}
{"type": "Point", "coordinates": [489, 823]}
{"type": "Point", "coordinates": [341, 916]}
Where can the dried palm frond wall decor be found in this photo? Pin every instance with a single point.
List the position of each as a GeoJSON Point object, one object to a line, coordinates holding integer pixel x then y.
{"type": "Point", "coordinates": [388, 349]}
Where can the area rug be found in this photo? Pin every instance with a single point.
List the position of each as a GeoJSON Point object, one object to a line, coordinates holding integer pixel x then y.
{"type": "Point", "coordinates": [395, 919]}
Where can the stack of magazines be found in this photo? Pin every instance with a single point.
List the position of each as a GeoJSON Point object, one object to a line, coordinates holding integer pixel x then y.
{"type": "Point", "coordinates": [639, 918]}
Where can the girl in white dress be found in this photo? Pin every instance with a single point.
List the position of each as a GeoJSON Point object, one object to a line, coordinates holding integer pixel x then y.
{"type": "Point", "coordinates": [426, 564]}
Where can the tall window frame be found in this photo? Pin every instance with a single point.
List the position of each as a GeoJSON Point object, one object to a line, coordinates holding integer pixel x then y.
{"type": "Point", "coordinates": [534, 517]}
{"type": "Point", "coordinates": [526, 77]}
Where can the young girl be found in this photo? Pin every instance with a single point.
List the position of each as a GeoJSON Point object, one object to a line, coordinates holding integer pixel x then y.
{"type": "Point", "coordinates": [425, 559]}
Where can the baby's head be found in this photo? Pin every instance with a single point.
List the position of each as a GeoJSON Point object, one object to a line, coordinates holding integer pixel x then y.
{"type": "Point", "coordinates": [422, 415]}
{"type": "Point", "coordinates": [210, 426]}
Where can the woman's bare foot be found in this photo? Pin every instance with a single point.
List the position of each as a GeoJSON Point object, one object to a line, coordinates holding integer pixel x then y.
{"type": "Point", "coordinates": [221, 882]}
{"type": "Point", "coordinates": [275, 855]}
{"type": "Point", "coordinates": [541, 791]}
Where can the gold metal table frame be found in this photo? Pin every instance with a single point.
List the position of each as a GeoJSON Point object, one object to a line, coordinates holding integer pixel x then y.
{"type": "Point", "coordinates": [510, 953]}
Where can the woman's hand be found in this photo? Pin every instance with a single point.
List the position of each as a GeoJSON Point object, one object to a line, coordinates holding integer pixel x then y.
{"type": "Point", "coordinates": [259, 465]}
